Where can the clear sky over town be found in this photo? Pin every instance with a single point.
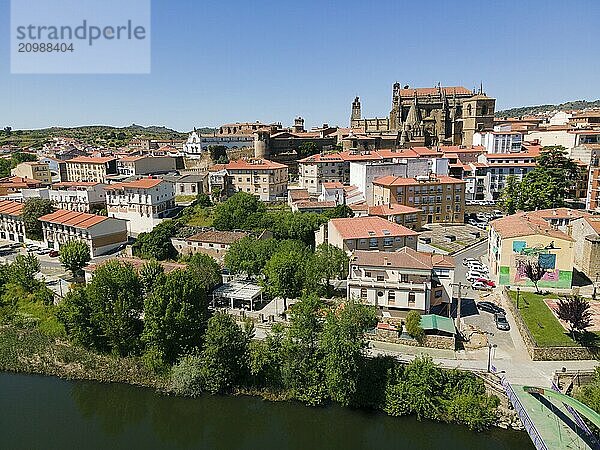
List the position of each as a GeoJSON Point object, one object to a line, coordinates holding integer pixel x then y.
{"type": "Point", "coordinates": [215, 62]}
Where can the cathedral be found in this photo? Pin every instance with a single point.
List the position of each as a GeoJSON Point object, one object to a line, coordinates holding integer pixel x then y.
{"type": "Point", "coordinates": [430, 116]}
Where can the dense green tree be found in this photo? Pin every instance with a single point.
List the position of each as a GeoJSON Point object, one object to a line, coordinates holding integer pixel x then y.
{"type": "Point", "coordinates": [206, 270]}
{"type": "Point", "coordinates": [157, 243]}
{"type": "Point", "coordinates": [203, 200]}
{"type": "Point", "coordinates": [576, 311]}
{"type": "Point", "coordinates": [340, 211]}
{"type": "Point", "coordinates": [306, 149]}
{"type": "Point", "coordinates": [285, 271]}
{"type": "Point", "coordinates": [249, 255]}
{"type": "Point", "coordinates": [343, 344]}
{"type": "Point", "coordinates": [74, 255]}
{"type": "Point", "coordinates": [413, 325]}
{"type": "Point", "coordinates": [21, 157]}
{"type": "Point", "coordinates": [546, 186]}
{"type": "Point", "coordinates": [175, 315]}
{"type": "Point", "coordinates": [186, 377]}
{"type": "Point", "coordinates": [238, 212]}
{"type": "Point", "coordinates": [224, 354]}
{"type": "Point", "coordinates": [23, 270]}
{"type": "Point", "coordinates": [266, 359]}
{"type": "Point", "coordinates": [116, 297]}
{"type": "Point", "coordinates": [79, 317]}
{"type": "Point", "coordinates": [151, 275]}
{"type": "Point", "coordinates": [33, 209]}
{"type": "Point", "coordinates": [303, 364]}
{"type": "Point", "coordinates": [425, 381]}
{"type": "Point", "coordinates": [328, 263]}
{"type": "Point", "coordinates": [510, 200]}
{"type": "Point", "coordinates": [217, 152]}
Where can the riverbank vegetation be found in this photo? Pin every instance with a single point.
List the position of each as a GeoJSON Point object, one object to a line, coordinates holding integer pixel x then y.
{"type": "Point", "coordinates": [155, 329]}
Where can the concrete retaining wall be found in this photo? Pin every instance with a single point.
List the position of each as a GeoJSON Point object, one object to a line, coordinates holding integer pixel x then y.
{"type": "Point", "coordinates": [443, 342]}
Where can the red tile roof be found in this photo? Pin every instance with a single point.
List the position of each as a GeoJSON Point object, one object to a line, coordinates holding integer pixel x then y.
{"type": "Point", "coordinates": [333, 157]}
{"type": "Point", "coordinates": [368, 227]}
{"type": "Point", "coordinates": [142, 183]}
{"type": "Point", "coordinates": [333, 185]}
{"type": "Point", "coordinates": [405, 258]}
{"type": "Point", "coordinates": [63, 184]}
{"type": "Point", "coordinates": [73, 218]}
{"type": "Point", "coordinates": [391, 210]}
{"type": "Point", "coordinates": [11, 208]}
{"type": "Point", "coordinates": [91, 159]}
{"type": "Point", "coordinates": [254, 164]}
{"type": "Point", "coordinates": [391, 180]}
{"type": "Point", "coordinates": [526, 224]}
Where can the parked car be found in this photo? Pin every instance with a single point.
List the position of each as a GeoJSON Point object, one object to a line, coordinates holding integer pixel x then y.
{"type": "Point", "coordinates": [479, 285]}
{"type": "Point", "coordinates": [53, 254]}
{"type": "Point", "coordinates": [478, 268]}
{"type": "Point", "coordinates": [474, 275]}
{"type": "Point", "coordinates": [468, 261]}
{"type": "Point", "coordinates": [487, 282]}
{"type": "Point", "coordinates": [501, 322]}
{"type": "Point", "coordinates": [490, 307]}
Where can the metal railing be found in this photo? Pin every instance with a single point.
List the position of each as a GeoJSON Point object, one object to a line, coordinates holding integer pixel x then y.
{"type": "Point", "coordinates": [528, 424]}
{"type": "Point", "coordinates": [578, 420]}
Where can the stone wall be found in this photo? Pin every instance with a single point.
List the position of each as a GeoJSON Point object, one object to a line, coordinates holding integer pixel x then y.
{"type": "Point", "coordinates": [443, 342]}
{"type": "Point", "coordinates": [545, 353]}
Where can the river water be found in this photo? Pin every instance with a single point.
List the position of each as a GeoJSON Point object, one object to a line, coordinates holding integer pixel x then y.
{"type": "Point", "coordinates": [48, 413]}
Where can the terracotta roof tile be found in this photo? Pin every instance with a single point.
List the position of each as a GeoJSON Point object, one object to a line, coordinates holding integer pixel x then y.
{"type": "Point", "coordinates": [525, 224]}
{"type": "Point", "coordinates": [73, 218]}
{"type": "Point", "coordinates": [368, 227]}
{"type": "Point", "coordinates": [391, 180]}
{"type": "Point", "coordinates": [406, 258]}
{"type": "Point", "coordinates": [254, 164]}
{"type": "Point", "coordinates": [11, 208]}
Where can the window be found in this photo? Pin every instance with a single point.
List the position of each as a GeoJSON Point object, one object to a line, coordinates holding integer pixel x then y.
{"type": "Point", "coordinates": [363, 293]}
{"type": "Point", "coordinates": [404, 278]}
{"type": "Point", "coordinates": [411, 299]}
{"type": "Point", "coordinates": [391, 296]}
{"type": "Point", "coordinates": [368, 274]}
{"type": "Point", "coordinates": [387, 242]}
{"type": "Point", "coordinates": [379, 277]}
{"type": "Point", "coordinates": [373, 243]}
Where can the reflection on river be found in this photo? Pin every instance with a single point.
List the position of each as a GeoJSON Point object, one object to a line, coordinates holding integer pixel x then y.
{"type": "Point", "coordinates": [44, 412]}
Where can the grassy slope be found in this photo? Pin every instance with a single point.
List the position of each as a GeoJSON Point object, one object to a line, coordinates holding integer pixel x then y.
{"type": "Point", "coordinates": [544, 327]}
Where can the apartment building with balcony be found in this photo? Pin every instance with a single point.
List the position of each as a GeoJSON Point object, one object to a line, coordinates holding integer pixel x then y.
{"type": "Point", "coordinates": [83, 196]}
{"type": "Point", "coordinates": [12, 227]}
{"type": "Point", "coordinates": [33, 170]}
{"type": "Point", "coordinates": [92, 169]}
{"type": "Point", "coordinates": [402, 281]}
{"type": "Point", "coordinates": [266, 179]}
{"type": "Point", "coordinates": [366, 233]}
{"type": "Point", "coordinates": [143, 203]}
{"type": "Point", "coordinates": [315, 170]}
{"type": "Point", "coordinates": [102, 234]}
{"type": "Point", "coordinates": [441, 198]}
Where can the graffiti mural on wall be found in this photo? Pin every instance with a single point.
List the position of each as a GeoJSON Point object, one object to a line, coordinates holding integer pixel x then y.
{"type": "Point", "coordinates": [538, 255]}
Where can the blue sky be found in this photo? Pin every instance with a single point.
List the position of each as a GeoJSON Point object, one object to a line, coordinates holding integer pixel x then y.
{"type": "Point", "coordinates": [215, 62]}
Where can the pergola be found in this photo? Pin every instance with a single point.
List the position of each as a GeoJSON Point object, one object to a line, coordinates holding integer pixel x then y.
{"type": "Point", "coordinates": [238, 291]}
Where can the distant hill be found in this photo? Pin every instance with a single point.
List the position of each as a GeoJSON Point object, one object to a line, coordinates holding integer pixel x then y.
{"type": "Point", "coordinates": [94, 134]}
{"type": "Point", "coordinates": [541, 109]}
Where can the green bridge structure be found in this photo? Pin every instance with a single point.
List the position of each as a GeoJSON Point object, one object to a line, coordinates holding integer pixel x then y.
{"type": "Point", "coordinates": [553, 420]}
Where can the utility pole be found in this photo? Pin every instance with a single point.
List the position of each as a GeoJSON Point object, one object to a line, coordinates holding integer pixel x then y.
{"type": "Point", "coordinates": [459, 295]}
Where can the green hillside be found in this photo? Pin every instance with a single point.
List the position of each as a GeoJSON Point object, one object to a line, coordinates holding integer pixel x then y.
{"type": "Point", "coordinates": [540, 109]}
{"type": "Point", "coordinates": [94, 134]}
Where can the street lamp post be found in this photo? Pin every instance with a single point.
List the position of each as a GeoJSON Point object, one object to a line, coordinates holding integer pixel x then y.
{"type": "Point", "coordinates": [490, 347]}
{"type": "Point", "coordinates": [518, 293]}
{"type": "Point", "coordinates": [595, 286]}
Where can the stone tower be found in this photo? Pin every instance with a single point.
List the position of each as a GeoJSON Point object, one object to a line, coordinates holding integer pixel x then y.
{"type": "Point", "coordinates": [261, 144]}
{"type": "Point", "coordinates": [298, 125]}
{"type": "Point", "coordinates": [356, 113]}
{"type": "Point", "coordinates": [477, 115]}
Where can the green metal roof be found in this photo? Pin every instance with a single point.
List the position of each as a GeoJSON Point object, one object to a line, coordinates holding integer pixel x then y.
{"type": "Point", "coordinates": [435, 322]}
